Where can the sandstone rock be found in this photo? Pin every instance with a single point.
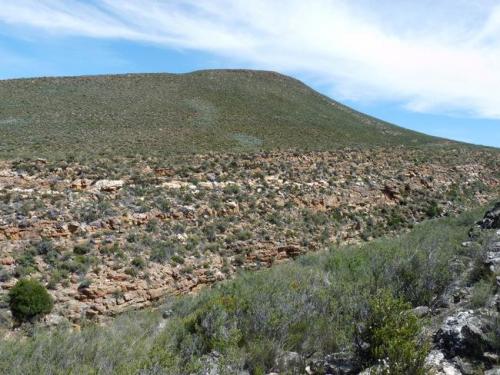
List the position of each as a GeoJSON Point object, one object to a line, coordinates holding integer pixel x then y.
{"type": "Point", "coordinates": [118, 276]}
{"type": "Point", "coordinates": [7, 173]}
{"type": "Point", "coordinates": [52, 320]}
{"type": "Point", "coordinates": [80, 184]}
{"type": "Point", "coordinates": [206, 185]}
{"type": "Point", "coordinates": [12, 233]}
{"type": "Point", "coordinates": [164, 172]}
{"type": "Point", "coordinates": [291, 250]}
{"type": "Point", "coordinates": [155, 293]}
{"type": "Point", "coordinates": [173, 184]}
{"type": "Point", "coordinates": [73, 226]}
{"type": "Point", "coordinates": [7, 261]}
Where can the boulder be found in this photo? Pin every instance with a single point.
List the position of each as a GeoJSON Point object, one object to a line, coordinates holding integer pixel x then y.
{"type": "Point", "coordinates": [463, 334]}
{"type": "Point", "coordinates": [342, 363]}
{"type": "Point", "coordinates": [289, 362]}
{"type": "Point", "coordinates": [7, 261]}
{"type": "Point", "coordinates": [421, 311]}
{"type": "Point", "coordinates": [73, 226]}
{"type": "Point", "coordinates": [439, 365]}
{"type": "Point", "coordinates": [492, 261]}
{"type": "Point", "coordinates": [491, 219]}
{"type": "Point", "coordinates": [108, 186]}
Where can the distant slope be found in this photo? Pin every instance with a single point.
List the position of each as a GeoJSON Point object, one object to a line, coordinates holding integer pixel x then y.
{"type": "Point", "coordinates": [167, 114]}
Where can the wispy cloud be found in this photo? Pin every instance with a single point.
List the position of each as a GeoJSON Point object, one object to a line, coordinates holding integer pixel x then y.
{"type": "Point", "coordinates": [430, 56]}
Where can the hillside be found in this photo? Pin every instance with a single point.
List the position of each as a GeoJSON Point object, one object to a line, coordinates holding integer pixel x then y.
{"type": "Point", "coordinates": [115, 235]}
{"type": "Point", "coordinates": [237, 222]}
{"type": "Point", "coordinates": [168, 114]}
{"type": "Point", "coordinates": [307, 317]}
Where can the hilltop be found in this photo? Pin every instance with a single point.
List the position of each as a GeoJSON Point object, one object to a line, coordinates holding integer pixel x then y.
{"type": "Point", "coordinates": [171, 114]}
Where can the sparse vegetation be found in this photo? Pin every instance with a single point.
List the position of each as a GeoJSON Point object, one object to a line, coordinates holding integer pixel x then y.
{"type": "Point", "coordinates": [308, 306]}
{"type": "Point", "coordinates": [168, 115]}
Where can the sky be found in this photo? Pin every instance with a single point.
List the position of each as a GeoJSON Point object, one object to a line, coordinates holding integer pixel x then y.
{"type": "Point", "coordinates": [428, 65]}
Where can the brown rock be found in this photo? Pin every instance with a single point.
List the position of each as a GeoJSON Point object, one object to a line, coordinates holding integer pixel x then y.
{"type": "Point", "coordinates": [7, 261]}
{"type": "Point", "coordinates": [73, 227]}
{"type": "Point", "coordinates": [155, 293]}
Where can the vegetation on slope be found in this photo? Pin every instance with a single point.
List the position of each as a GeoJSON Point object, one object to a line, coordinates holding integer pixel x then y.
{"type": "Point", "coordinates": [102, 250]}
{"type": "Point", "coordinates": [313, 306]}
{"type": "Point", "coordinates": [167, 114]}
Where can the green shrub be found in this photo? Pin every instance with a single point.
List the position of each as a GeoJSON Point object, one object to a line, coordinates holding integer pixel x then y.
{"type": "Point", "coordinates": [82, 249]}
{"type": "Point", "coordinates": [139, 263]}
{"type": "Point", "coordinates": [29, 299]}
{"type": "Point", "coordinates": [481, 293]}
{"type": "Point", "coordinates": [161, 252]}
{"type": "Point", "coordinates": [84, 284]}
{"type": "Point", "coordinates": [391, 332]}
{"type": "Point", "coordinates": [176, 259]}
{"type": "Point", "coordinates": [433, 210]}
{"type": "Point", "coordinates": [243, 235]}
{"type": "Point", "coordinates": [44, 247]}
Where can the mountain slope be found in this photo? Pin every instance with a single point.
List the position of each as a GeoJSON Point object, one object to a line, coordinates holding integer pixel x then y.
{"type": "Point", "coordinates": [167, 114]}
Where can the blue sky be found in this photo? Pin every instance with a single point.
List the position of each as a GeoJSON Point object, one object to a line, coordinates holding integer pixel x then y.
{"type": "Point", "coordinates": [432, 66]}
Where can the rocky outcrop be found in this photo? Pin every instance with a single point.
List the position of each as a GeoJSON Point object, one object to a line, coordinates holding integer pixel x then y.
{"type": "Point", "coordinates": [468, 340]}
{"type": "Point", "coordinates": [149, 230]}
{"type": "Point", "coordinates": [436, 361]}
{"type": "Point", "coordinates": [108, 185]}
{"type": "Point", "coordinates": [464, 334]}
{"type": "Point", "coordinates": [491, 219]}
{"type": "Point", "coordinates": [342, 363]}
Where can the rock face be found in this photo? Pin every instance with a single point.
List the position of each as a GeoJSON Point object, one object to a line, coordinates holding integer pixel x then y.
{"type": "Point", "coordinates": [136, 231]}
{"type": "Point", "coordinates": [491, 219]}
{"type": "Point", "coordinates": [464, 334]}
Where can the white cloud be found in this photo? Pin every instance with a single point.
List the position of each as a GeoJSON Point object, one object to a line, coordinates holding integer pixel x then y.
{"type": "Point", "coordinates": [432, 56]}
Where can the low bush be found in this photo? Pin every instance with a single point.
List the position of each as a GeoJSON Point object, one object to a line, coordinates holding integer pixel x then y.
{"type": "Point", "coordinates": [392, 337]}
{"type": "Point", "coordinates": [162, 252]}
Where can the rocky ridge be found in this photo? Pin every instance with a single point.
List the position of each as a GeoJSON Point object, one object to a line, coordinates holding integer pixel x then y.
{"type": "Point", "coordinates": [118, 235]}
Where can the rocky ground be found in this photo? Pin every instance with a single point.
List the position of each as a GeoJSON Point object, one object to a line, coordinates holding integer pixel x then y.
{"type": "Point", "coordinates": [468, 339]}
{"type": "Point", "coordinates": [109, 236]}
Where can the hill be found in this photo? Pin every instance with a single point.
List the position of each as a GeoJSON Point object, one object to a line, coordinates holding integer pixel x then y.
{"type": "Point", "coordinates": [168, 114]}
